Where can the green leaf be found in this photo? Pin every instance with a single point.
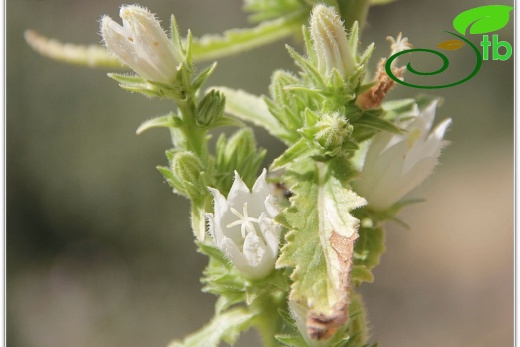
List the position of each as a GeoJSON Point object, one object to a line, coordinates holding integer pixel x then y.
{"type": "Point", "coordinates": [299, 149]}
{"type": "Point", "coordinates": [227, 122]}
{"type": "Point", "coordinates": [223, 327]}
{"type": "Point", "coordinates": [212, 252]}
{"type": "Point", "coordinates": [320, 244]}
{"type": "Point", "coordinates": [251, 108]}
{"type": "Point", "coordinates": [234, 41]}
{"type": "Point", "coordinates": [374, 122]}
{"type": "Point", "coordinates": [369, 247]}
{"type": "Point", "coordinates": [229, 299]}
{"type": "Point", "coordinates": [398, 108]}
{"type": "Point", "coordinates": [361, 274]}
{"type": "Point", "coordinates": [307, 67]}
{"type": "Point", "coordinates": [269, 9]}
{"type": "Point", "coordinates": [483, 19]}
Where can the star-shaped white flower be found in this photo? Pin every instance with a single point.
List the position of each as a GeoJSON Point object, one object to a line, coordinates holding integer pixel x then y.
{"type": "Point", "coordinates": [396, 164]}
{"type": "Point", "coordinates": [243, 228]}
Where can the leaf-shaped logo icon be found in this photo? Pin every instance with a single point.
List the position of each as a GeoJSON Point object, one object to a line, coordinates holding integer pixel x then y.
{"type": "Point", "coordinates": [451, 45]}
{"type": "Point", "coordinates": [483, 19]}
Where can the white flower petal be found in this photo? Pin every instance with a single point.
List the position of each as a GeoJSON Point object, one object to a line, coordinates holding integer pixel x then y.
{"type": "Point", "coordinates": [238, 191]}
{"type": "Point", "coordinates": [234, 254]}
{"type": "Point", "coordinates": [271, 233]}
{"type": "Point", "coordinates": [261, 186]}
{"type": "Point", "coordinates": [254, 249]}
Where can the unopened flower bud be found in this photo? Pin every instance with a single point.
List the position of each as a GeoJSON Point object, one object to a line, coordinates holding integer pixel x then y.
{"type": "Point", "coordinates": [186, 168]}
{"type": "Point", "coordinates": [330, 42]}
{"type": "Point", "coordinates": [211, 108]}
{"type": "Point", "coordinates": [332, 130]}
{"type": "Point", "coordinates": [142, 44]}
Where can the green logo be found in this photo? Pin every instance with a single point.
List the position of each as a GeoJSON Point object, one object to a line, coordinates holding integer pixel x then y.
{"type": "Point", "coordinates": [479, 20]}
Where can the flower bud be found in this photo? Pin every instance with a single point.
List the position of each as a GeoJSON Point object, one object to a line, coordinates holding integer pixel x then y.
{"type": "Point", "coordinates": [210, 109]}
{"type": "Point", "coordinates": [330, 42]}
{"type": "Point", "coordinates": [186, 169]}
{"type": "Point", "coordinates": [239, 153]}
{"type": "Point", "coordinates": [142, 44]}
{"type": "Point", "coordinates": [332, 130]}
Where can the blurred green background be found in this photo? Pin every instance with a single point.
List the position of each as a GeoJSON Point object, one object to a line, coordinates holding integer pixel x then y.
{"type": "Point", "coordinates": [99, 250]}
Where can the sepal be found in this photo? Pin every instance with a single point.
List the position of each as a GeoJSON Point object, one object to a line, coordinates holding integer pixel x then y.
{"type": "Point", "coordinates": [298, 150]}
{"type": "Point", "coordinates": [137, 84]}
{"type": "Point", "coordinates": [201, 78]}
{"type": "Point", "coordinates": [170, 120]}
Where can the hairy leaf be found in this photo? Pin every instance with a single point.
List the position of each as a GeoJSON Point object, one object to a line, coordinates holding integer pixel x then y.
{"type": "Point", "coordinates": [251, 108]}
{"type": "Point", "coordinates": [223, 327]}
{"type": "Point", "coordinates": [235, 41]}
{"type": "Point", "coordinates": [320, 245]}
{"type": "Point", "coordinates": [88, 55]}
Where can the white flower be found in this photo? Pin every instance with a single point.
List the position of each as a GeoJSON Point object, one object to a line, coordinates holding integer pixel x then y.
{"type": "Point", "coordinates": [243, 227]}
{"type": "Point", "coordinates": [330, 42]}
{"type": "Point", "coordinates": [142, 44]}
{"type": "Point", "coordinates": [396, 164]}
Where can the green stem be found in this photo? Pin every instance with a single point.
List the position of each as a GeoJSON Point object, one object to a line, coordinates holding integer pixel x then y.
{"type": "Point", "coordinates": [354, 10]}
{"type": "Point", "coordinates": [268, 321]}
{"type": "Point", "coordinates": [195, 138]}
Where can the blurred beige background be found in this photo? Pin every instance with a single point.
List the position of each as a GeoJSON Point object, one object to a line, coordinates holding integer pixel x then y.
{"type": "Point", "coordinates": [99, 251]}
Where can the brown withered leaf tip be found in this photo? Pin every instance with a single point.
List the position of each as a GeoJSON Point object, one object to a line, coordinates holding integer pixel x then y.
{"type": "Point", "coordinates": [451, 45]}
{"type": "Point", "coordinates": [321, 326]}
